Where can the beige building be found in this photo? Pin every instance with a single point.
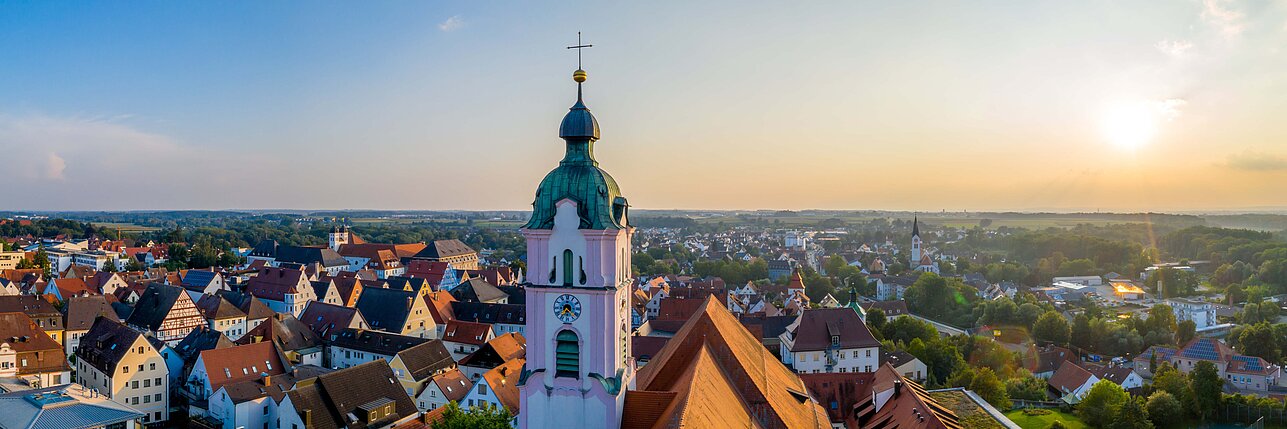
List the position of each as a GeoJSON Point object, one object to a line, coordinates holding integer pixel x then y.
{"type": "Point", "coordinates": [125, 365]}
{"type": "Point", "coordinates": [9, 260]}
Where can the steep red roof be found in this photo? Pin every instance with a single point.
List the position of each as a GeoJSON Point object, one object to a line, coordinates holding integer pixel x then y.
{"type": "Point", "coordinates": [723, 376]}
{"type": "Point", "coordinates": [1069, 377]}
{"type": "Point", "coordinates": [466, 332]}
{"type": "Point", "coordinates": [241, 363]}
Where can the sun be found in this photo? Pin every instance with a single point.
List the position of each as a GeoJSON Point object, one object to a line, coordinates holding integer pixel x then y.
{"type": "Point", "coordinates": [1129, 125]}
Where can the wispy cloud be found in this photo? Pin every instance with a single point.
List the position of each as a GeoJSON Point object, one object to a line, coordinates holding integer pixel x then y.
{"type": "Point", "coordinates": [1174, 48]}
{"type": "Point", "coordinates": [1256, 161]}
{"type": "Point", "coordinates": [1169, 109]}
{"type": "Point", "coordinates": [452, 24]}
{"type": "Point", "coordinates": [46, 146]}
{"type": "Point", "coordinates": [1223, 17]}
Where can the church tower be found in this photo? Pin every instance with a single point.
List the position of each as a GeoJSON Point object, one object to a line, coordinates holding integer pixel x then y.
{"type": "Point", "coordinates": [339, 236]}
{"type": "Point", "coordinates": [578, 288]}
{"type": "Point", "coordinates": [916, 244]}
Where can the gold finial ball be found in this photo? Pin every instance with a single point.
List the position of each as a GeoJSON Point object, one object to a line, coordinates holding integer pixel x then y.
{"type": "Point", "coordinates": [578, 75]}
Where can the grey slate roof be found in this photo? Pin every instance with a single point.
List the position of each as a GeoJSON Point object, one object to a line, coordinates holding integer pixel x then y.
{"type": "Point", "coordinates": [337, 395]}
{"type": "Point", "coordinates": [200, 340]}
{"type": "Point", "coordinates": [154, 306]}
{"type": "Point", "coordinates": [414, 284]}
{"type": "Point", "coordinates": [386, 309]}
{"type": "Point", "coordinates": [105, 344]}
{"type": "Point", "coordinates": [510, 314]}
{"type": "Point", "coordinates": [440, 249]}
{"type": "Point", "coordinates": [254, 308]}
{"type": "Point", "coordinates": [216, 307]}
{"type": "Point", "coordinates": [298, 254]}
{"type": "Point", "coordinates": [82, 310]}
{"type": "Point", "coordinates": [427, 359]}
{"type": "Point", "coordinates": [284, 330]}
{"type": "Point", "coordinates": [478, 290]}
{"type": "Point", "coordinates": [375, 342]}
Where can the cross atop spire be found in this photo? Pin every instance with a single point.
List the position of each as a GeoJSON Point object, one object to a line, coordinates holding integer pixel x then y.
{"type": "Point", "coordinates": [579, 47]}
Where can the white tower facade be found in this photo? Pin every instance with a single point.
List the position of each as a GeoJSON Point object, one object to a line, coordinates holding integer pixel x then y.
{"type": "Point", "coordinates": [578, 286]}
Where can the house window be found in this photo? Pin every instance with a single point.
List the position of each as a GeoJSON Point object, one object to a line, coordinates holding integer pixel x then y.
{"type": "Point", "coordinates": [835, 340]}
{"type": "Point", "coordinates": [567, 354]}
{"type": "Point", "coordinates": [482, 389]}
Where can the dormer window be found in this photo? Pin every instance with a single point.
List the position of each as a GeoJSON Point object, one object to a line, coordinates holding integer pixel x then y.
{"type": "Point", "coordinates": [835, 340]}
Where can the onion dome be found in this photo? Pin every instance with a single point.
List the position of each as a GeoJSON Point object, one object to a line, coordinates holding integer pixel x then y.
{"type": "Point", "coordinates": [578, 176]}
{"type": "Point", "coordinates": [579, 122]}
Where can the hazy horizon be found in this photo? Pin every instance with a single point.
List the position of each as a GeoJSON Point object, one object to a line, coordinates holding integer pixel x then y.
{"type": "Point", "coordinates": [1092, 106]}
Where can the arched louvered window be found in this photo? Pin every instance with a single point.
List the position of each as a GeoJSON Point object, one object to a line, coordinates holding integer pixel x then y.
{"type": "Point", "coordinates": [567, 267]}
{"type": "Point", "coordinates": [567, 355]}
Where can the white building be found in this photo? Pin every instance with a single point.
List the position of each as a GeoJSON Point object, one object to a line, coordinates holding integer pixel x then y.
{"type": "Point", "coordinates": [1203, 314]}
{"type": "Point", "coordinates": [829, 340]}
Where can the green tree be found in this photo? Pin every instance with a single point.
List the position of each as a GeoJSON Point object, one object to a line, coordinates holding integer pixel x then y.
{"type": "Point", "coordinates": [1260, 340]}
{"type": "Point", "coordinates": [1164, 409]}
{"type": "Point", "coordinates": [1052, 327]}
{"type": "Point", "coordinates": [1025, 386]}
{"type": "Point", "coordinates": [876, 319]}
{"type": "Point", "coordinates": [1161, 318]}
{"type": "Point", "coordinates": [1131, 414]}
{"type": "Point", "coordinates": [1185, 331]}
{"type": "Point", "coordinates": [1078, 267]}
{"type": "Point", "coordinates": [1235, 294]}
{"type": "Point", "coordinates": [989, 387]}
{"type": "Point", "coordinates": [110, 266]}
{"type": "Point", "coordinates": [1099, 406]}
{"type": "Point", "coordinates": [941, 359]}
{"type": "Point", "coordinates": [1057, 424]}
{"type": "Point", "coordinates": [1081, 334]}
{"type": "Point", "coordinates": [1207, 386]}
{"type": "Point", "coordinates": [962, 378]}
{"type": "Point", "coordinates": [485, 417]}
{"type": "Point", "coordinates": [905, 329]}
{"type": "Point", "coordinates": [134, 265]}
{"type": "Point", "coordinates": [1170, 380]}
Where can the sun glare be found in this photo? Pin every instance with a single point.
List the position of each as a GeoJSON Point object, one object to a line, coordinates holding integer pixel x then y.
{"type": "Point", "coordinates": [1129, 125]}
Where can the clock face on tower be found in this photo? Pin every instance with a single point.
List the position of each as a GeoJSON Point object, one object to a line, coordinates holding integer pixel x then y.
{"type": "Point", "coordinates": [567, 308]}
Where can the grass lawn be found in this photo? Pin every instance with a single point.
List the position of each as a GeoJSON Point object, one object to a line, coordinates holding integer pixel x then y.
{"type": "Point", "coordinates": [1044, 421]}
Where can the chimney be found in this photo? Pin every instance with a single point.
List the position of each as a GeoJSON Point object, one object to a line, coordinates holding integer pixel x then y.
{"type": "Point", "coordinates": [898, 386]}
{"type": "Point", "coordinates": [308, 418]}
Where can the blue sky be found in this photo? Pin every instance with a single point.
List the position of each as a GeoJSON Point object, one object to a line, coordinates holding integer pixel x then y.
{"type": "Point", "coordinates": [443, 105]}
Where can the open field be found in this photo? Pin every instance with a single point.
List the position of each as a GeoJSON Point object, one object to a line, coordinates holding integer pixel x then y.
{"type": "Point", "coordinates": [484, 223]}
{"type": "Point", "coordinates": [961, 221]}
{"type": "Point", "coordinates": [125, 227]}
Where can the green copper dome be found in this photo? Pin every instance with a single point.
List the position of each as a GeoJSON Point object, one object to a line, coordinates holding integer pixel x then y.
{"type": "Point", "coordinates": [579, 178]}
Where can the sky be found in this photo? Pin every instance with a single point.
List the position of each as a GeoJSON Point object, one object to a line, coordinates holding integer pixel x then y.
{"type": "Point", "coordinates": [926, 106]}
